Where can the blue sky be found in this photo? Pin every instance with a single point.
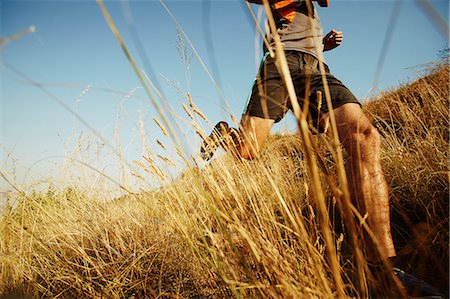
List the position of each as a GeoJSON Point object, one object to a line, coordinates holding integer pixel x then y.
{"type": "Point", "coordinates": [76, 58]}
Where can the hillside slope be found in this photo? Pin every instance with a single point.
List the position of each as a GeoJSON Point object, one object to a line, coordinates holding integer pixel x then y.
{"type": "Point", "coordinates": [240, 228]}
{"type": "Point", "coordinates": [414, 120]}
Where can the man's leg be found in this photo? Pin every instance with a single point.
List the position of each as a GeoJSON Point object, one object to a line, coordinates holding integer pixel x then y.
{"type": "Point", "coordinates": [369, 190]}
{"type": "Point", "coordinates": [253, 131]}
{"type": "Point", "coordinates": [245, 143]}
{"type": "Point", "coordinates": [366, 180]}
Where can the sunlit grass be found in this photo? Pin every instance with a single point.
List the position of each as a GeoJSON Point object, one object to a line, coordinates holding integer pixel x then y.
{"type": "Point", "coordinates": [237, 228]}
{"type": "Point", "coordinates": [279, 226]}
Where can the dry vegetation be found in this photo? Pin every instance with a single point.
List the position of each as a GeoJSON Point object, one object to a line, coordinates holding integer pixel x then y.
{"type": "Point", "coordinates": [414, 120]}
{"type": "Point", "coordinates": [238, 228]}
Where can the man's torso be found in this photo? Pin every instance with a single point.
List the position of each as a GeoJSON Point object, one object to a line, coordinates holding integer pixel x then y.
{"type": "Point", "coordinates": [297, 31]}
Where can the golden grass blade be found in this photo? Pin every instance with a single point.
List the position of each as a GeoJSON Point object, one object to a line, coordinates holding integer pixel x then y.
{"type": "Point", "coordinates": [160, 125]}
{"type": "Point", "coordinates": [142, 78]}
{"type": "Point", "coordinates": [194, 50]}
{"type": "Point", "coordinates": [188, 112]}
{"type": "Point", "coordinates": [312, 167]}
{"type": "Point", "coordinates": [341, 170]}
{"type": "Point", "coordinates": [436, 19]}
{"type": "Point", "coordinates": [161, 144]}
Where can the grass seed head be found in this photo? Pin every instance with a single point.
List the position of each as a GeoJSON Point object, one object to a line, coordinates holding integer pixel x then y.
{"type": "Point", "coordinates": [163, 129]}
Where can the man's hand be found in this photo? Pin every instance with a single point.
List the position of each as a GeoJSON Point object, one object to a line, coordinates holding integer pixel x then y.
{"type": "Point", "coordinates": [332, 40]}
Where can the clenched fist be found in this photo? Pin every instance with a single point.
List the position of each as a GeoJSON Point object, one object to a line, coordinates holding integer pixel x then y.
{"type": "Point", "coordinates": [332, 40]}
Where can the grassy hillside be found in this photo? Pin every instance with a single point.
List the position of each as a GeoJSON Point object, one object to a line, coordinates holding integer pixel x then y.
{"type": "Point", "coordinates": [414, 121]}
{"type": "Point", "coordinates": [239, 228]}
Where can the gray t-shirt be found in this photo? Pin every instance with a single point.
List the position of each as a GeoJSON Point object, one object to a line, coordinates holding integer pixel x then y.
{"type": "Point", "coordinates": [296, 29]}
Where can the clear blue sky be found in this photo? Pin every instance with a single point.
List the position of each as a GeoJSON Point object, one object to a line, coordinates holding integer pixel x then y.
{"type": "Point", "coordinates": [75, 57]}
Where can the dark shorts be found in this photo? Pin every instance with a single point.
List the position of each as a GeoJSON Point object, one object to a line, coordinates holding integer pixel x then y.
{"type": "Point", "coordinates": [269, 98]}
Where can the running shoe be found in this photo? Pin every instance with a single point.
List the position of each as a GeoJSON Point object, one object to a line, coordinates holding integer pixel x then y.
{"type": "Point", "coordinates": [214, 140]}
{"type": "Point", "coordinates": [415, 287]}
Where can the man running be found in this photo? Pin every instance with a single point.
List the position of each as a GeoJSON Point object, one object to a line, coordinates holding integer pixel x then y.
{"type": "Point", "coordinates": [299, 28]}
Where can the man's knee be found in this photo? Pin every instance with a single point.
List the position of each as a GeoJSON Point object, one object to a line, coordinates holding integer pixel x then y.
{"type": "Point", "coordinates": [355, 129]}
{"type": "Point", "coordinates": [364, 142]}
{"type": "Point", "coordinates": [366, 136]}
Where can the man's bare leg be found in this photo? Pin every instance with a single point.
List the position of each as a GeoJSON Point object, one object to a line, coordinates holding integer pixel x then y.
{"type": "Point", "coordinates": [245, 143]}
{"type": "Point", "coordinates": [253, 132]}
{"type": "Point", "coordinates": [366, 180]}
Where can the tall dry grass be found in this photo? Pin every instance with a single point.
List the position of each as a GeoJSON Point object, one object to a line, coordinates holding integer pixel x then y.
{"type": "Point", "coordinates": [414, 122]}
{"type": "Point", "coordinates": [68, 246]}
{"type": "Point", "coordinates": [279, 226]}
{"type": "Point", "coordinates": [244, 229]}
